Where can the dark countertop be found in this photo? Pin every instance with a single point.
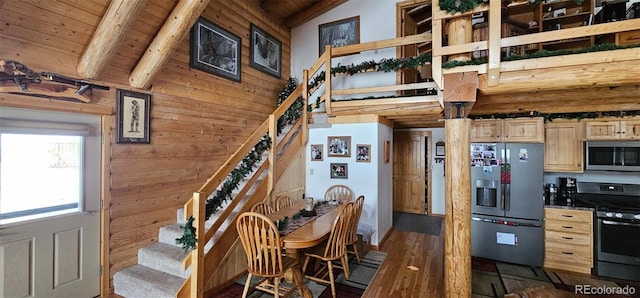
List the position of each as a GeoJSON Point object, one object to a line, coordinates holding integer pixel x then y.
{"type": "Point", "coordinates": [565, 205]}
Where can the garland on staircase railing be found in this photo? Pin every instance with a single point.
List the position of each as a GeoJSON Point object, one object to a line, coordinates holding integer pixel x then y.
{"type": "Point", "coordinates": [455, 6]}
{"type": "Point", "coordinates": [246, 166]}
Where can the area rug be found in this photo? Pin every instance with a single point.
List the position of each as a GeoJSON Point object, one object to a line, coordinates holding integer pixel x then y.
{"type": "Point", "coordinates": [417, 223]}
{"type": "Point", "coordinates": [361, 276]}
{"type": "Point", "coordinates": [495, 279]}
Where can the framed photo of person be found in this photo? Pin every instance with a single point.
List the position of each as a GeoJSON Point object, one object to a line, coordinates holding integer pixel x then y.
{"type": "Point", "coordinates": [339, 146]}
{"type": "Point", "coordinates": [339, 33]}
{"type": "Point", "coordinates": [132, 117]}
{"type": "Point", "coordinates": [316, 152]}
{"type": "Point", "coordinates": [363, 153]}
{"type": "Point", "coordinates": [339, 170]}
{"type": "Point", "coordinates": [215, 50]}
{"type": "Point", "coordinates": [266, 52]}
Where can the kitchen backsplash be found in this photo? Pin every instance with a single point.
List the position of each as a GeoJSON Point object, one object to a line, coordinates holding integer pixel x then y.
{"type": "Point", "coordinates": [597, 176]}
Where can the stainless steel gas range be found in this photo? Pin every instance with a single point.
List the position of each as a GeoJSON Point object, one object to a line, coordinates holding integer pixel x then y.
{"type": "Point", "coordinates": [617, 227]}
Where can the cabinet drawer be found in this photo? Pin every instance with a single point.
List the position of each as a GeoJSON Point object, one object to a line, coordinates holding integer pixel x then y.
{"type": "Point", "coordinates": [552, 256]}
{"type": "Point", "coordinates": [567, 226]}
{"type": "Point", "coordinates": [567, 214]}
{"type": "Point", "coordinates": [561, 248]}
{"type": "Point", "coordinates": [568, 238]}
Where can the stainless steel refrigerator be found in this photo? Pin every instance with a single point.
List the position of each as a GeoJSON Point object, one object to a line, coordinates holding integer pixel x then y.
{"type": "Point", "coordinates": [507, 202]}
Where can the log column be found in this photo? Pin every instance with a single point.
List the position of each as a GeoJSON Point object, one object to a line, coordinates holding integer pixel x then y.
{"type": "Point", "coordinates": [459, 31]}
{"type": "Point", "coordinates": [457, 245]}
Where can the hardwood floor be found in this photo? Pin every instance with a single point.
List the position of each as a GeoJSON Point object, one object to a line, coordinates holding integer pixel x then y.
{"type": "Point", "coordinates": [414, 266]}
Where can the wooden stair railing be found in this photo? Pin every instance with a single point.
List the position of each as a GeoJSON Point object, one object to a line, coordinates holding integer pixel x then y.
{"type": "Point", "coordinates": [202, 265]}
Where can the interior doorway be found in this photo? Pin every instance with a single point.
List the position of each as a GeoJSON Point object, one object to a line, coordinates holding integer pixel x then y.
{"type": "Point", "coordinates": [412, 171]}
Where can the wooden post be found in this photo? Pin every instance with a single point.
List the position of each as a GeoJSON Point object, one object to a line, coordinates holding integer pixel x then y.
{"type": "Point", "coordinates": [460, 31]}
{"type": "Point", "coordinates": [457, 245]}
{"type": "Point", "coordinates": [197, 255]}
{"type": "Point", "coordinates": [273, 134]}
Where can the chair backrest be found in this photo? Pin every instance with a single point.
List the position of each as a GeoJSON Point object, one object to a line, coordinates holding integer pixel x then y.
{"type": "Point", "coordinates": [283, 201]}
{"type": "Point", "coordinates": [262, 208]}
{"type": "Point", "coordinates": [336, 247]}
{"type": "Point", "coordinates": [353, 228]}
{"type": "Point", "coordinates": [340, 193]}
{"type": "Point", "coordinates": [261, 242]}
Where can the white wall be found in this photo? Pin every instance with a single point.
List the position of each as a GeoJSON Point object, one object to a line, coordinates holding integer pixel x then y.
{"type": "Point", "coordinates": [437, 174]}
{"type": "Point", "coordinates": [371, 179]}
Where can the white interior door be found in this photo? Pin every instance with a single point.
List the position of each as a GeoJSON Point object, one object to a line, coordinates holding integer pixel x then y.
{"type": "Point", "coordinates": [49, 204]}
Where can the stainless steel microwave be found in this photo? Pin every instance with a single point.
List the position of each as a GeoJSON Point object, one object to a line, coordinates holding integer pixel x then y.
{"type": "Point", "coordinates": [613, 156]}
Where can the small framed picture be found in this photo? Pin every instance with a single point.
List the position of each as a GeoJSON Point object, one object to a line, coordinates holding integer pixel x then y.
{"type": "Point", "coordinates": [339, 170]}
{"type": "Point", "coordinates": [316, 152]}
{"type": "Point", "coordinates": [363, 153]}
{"type": "Point", "coordinates": [132, 117]}
{"type": "Point", "coordinates": [339, 146]}
{"type": "Point", "coordinates": [339, 33]}
{"type": "Point", "coordinates": [215, 50]}
{"type": "Point", "coordinates": [266, 52]}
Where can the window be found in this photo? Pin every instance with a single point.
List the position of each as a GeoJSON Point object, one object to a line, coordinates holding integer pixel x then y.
{"type": "Point", "coordinates": [42, 163]}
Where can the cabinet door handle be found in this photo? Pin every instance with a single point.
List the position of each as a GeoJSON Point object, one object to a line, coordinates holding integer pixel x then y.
{"type": "Point", "coordinates": [567, 238]}
{"type": "Point", "coordinates": [567, 227]}
{"type": "Point", "coordinates": [567, 253]}
{"type": "Point", "coordinates": [566, 215]}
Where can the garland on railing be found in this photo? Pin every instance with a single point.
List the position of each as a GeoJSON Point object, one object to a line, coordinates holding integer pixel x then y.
{"type": "Point", "coordinates": [248, 163]}
{"type": "Point", "coordinates": [543, 53]}
{"type": "Point", "coordinates": [550, 117]}
{"type": "Point", "coordinates": [455, 6]}
{"type": "Point", "coordinates": [386, 65]}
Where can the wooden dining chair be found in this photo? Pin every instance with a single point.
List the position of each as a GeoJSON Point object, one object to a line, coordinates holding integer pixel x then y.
{"type": "Point", "coordinates": [339, 193]}
{"type": "Point", "coordinates": [262, 208]}
{"type": "Point", "coordinates": [352, 237]}
{"type": "Point", "coordinates": [262, 245]}
{"type": "Point", "coordinates": [283, 201]}
{"type": "Point", "coordinates": [333, 250]}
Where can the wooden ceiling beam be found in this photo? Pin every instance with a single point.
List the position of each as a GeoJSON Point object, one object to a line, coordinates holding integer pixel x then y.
{"type": "Point", "coordinates": [311, 12]}
{"type": "Point", "coordinates": [177, 25]}
{"type": "Point", "coordinates": [109, 36]}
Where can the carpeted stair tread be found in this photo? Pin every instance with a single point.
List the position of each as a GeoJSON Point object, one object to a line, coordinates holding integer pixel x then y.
{"type": "Point", "coordinates": [163, 257]}
{"type": "Point", "coordinates": [142, 281]}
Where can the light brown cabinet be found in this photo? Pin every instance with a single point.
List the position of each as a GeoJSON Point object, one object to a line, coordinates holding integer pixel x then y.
{"type": "Point", "coordinates": [612, 129]}
{"type": "Point", "coordinates": [518, 130]}
{"type": "Point", "coordinates": [568, 239]}
{"type": "Point", "coordinates": [563, 146]}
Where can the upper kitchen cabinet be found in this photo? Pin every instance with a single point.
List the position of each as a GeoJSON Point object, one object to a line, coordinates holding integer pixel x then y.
{"type": "Point", "coordinates": [612, 129]}
{"type": "Point", "coordinates": [563, 146]}
{"type": "Point", "coordinates": [519, 130]}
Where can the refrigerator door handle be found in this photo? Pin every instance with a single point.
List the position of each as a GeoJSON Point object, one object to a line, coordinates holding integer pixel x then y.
{"type": "Point", "coordinates": [507, 196]}
{"type": "Point", "coordinates": [503, 188]}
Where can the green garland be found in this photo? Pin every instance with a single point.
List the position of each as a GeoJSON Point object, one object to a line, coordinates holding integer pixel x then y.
{"type": "Point", "coordinates": [543, 53]}
{"type": "Point", "coordinates": [455, 6]}
{"type": "Point", "coordinates": [248, 163]}
{"type": "Point", "coordinates": [550, 117]}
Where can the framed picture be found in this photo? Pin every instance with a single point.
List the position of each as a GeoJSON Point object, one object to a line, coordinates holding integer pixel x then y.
{"type": "Point", "coordinates": [339, 33]}
{"type": "Point", "coordinates": [215, 50]}
{"type": "Point", "coordinates": [339, 146]}
{"type": "Point", "coordinates": [132, 117]}
{"type": "Point", "coordinates": [363, 153]}
{"type": "Point", "coordinates": [316, 152]}
{"type": "Point", "coordinates": [266, 52]}
{"type": "Point", "coordinates": [339, 170]}
{"type": "Point", "coordinates": [440, 146]}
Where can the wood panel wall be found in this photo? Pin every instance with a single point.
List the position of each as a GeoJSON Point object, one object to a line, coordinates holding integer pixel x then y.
{"type": "Point", "coordinates": [197, 119]}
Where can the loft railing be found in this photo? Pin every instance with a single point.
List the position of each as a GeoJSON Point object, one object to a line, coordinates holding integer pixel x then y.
{"type": "Point", "coordinates": [495, 43]}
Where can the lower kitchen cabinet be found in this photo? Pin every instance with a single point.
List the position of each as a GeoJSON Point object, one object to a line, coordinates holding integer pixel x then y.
{"type": "Point", "coordinates": [568, 239]}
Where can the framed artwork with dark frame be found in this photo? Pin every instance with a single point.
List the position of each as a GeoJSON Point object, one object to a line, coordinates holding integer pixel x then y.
{"type": "Point", "coordinates": [266, 52]}
{"type": "Point", "coordinates": [339, 170]}
{"type": "Point", "coordinates": [339, 33]}
{"type": "Point", "coordinates": [363, 153]}
{"type": "Point", "coordinates": [316, 152]}
{"type": "Point", "coordinates": [215, 50]}
{"type": "Point", "coordinates": [339, 146]}
{"type": "Point", "coordinates": [132, 117]}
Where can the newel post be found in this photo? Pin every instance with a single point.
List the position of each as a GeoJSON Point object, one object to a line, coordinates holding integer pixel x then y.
{"type": "Point", "coordinates": [197, 254]}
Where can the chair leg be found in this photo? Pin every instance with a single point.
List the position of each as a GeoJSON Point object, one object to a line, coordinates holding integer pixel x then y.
{"type": "Point", "coordinates": [355, 250]}
{"type": "Point", "coordinates": [304, 266]}
{"type": "Point", "coordinates": [331, 279]}
{"type": "Point", "coordinates": [345, 266]}
{"type": "Point", "coordinates": [276, 287]}
{"type": "Point", "coordinates": [246, 286]}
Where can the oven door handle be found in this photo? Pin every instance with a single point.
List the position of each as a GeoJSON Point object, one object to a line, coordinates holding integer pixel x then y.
{"type": "Point", "coordinates": [615, 223]}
